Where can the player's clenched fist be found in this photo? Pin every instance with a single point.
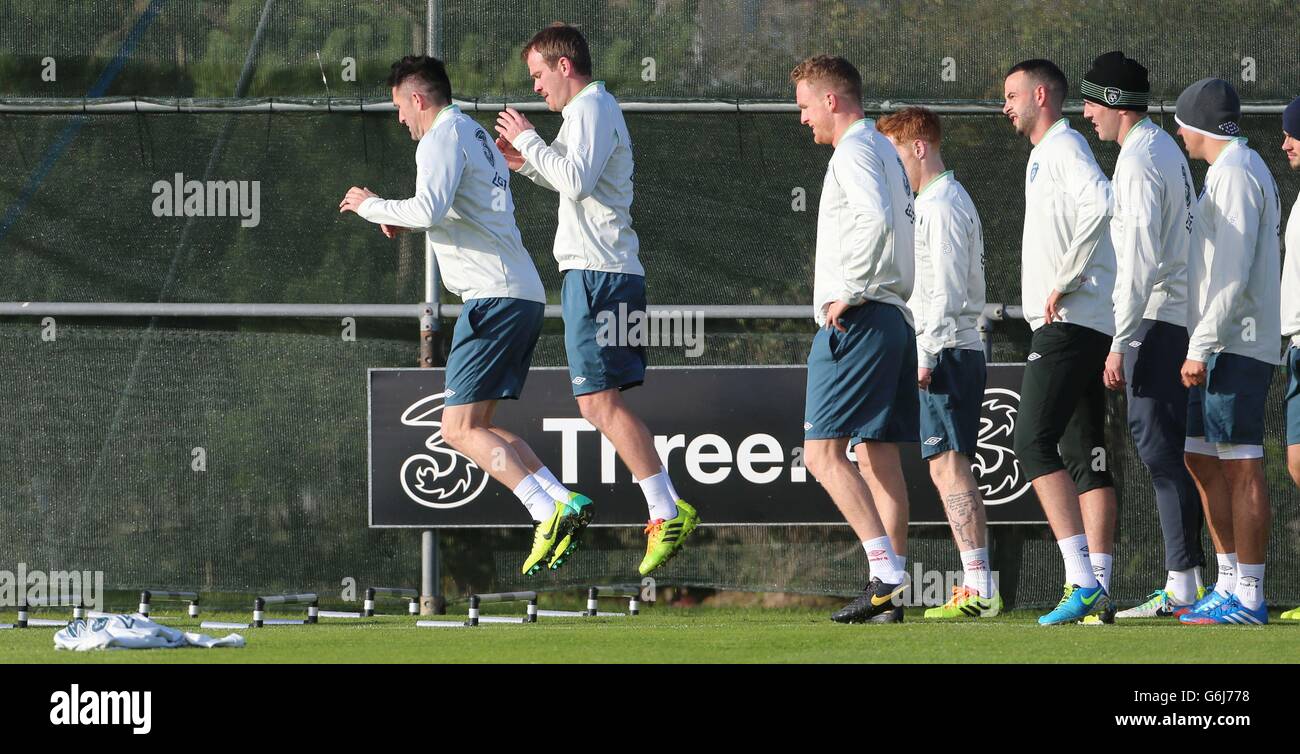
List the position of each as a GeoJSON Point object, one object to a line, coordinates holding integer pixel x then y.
{"type": "Point", "coordinates": [353, 199]}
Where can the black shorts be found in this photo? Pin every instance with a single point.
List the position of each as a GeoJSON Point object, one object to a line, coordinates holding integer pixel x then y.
{"type": "Point", "coordinates": [1063, 405]}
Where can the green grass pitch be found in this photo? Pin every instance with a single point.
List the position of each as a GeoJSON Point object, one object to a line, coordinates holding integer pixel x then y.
{"type": "Point", "coordinates": [695, 635]}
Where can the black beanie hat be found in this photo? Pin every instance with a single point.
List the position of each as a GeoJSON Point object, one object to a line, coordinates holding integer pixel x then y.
{"type": "Point", "coordinates": [1117, 82]}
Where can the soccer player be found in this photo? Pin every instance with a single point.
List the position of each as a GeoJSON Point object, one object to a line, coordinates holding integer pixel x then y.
{"type": "Point", "coordinates": [1067, 278]}
{"type": "Point", "coordinates": [947, 301]}
{"type": "Point", "coordinates": [1236, 325]}
{"type": "Point", "coordinates": [462, 202]}
{"type": "Point", "coordinates": [1151, 233]}
{"type": "Point", "coordinates": [1291, 305]}
{"type": "Point", "coordinates": [862, 365]}
{"type": "Point", "coordinates": [590, 166]}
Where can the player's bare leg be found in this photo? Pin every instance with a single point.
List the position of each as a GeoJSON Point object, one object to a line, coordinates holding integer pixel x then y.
{"type": "Point", "coordinates": [469, 429]}
{"type": "Point", "coordinates": [672, 520]}
{"type": "Point", "coordinates": [828, 462]}
{"type": "Point", "coordinates": [962, 503]}
{"type": "Point", "coordinates": [879, 465]}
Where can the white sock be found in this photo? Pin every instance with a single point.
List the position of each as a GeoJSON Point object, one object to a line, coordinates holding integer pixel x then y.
{"type": "Point", "coordinates": [1101, 562]}
{"type": "Point", "coordinates": [902, 562]}
{"type": "Point", "coordinates": [668, 482]}
{"type": "Point", "coordinates": [659, 497]}
{"type": "Point", "coordinates": [975, 570]}
{"type": "Point", "coordinates": [1181, 585]}
{"type": "Point", "coordinates": [548, 482]}
{"type": "Point", "coordinates": [1250, 585]}
{"type": "Point", "coordinates": [1199, 583]}
{"type": "Point", "coordinates": [883, 561]}
{"type": "Point", "coordinates": [1078, 568]}
{"type": "Point", "coordinates": [539, 504]}
{"type": "Point", "coordinates": [1227, 573]}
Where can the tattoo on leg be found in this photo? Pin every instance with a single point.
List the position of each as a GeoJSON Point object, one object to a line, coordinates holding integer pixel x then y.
{"type": "Point", "coordinates": [961, 516]}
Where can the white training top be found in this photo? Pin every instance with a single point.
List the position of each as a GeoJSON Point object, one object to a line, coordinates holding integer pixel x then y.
{"type": "Point", "coordinates": [864, 225]}
{"type": "Point", "coordinates": [1066, 245]}
{"type": "Point", "coordinates": [1151, 231]}
{"type": "Point", "coordinates": [1291, 277]}
{"type": "Point", "coordinates": [948, 296]}
{"type": "Point", "coordinates": [590, 165]}
{"type": "Point", "coordinates": [1235, 260]}
{"type": "Point", "coordinates": [462, 201]}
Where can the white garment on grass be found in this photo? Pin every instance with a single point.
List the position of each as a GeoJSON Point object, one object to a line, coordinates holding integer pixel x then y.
{"type": "Point", "coordinates": [133, 632]}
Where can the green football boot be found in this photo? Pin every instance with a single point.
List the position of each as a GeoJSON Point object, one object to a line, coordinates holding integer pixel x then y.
{"type": "Point", "coordinates": [545, 535]}
{"type": "Point", "coordinates": [1291, 614]}
{"type": "Point", "coordinates": [578, 512]}
{"type": "Point", "coordinates": [665, 538]}
{"type": "Point", "coordinates": [967, 603]}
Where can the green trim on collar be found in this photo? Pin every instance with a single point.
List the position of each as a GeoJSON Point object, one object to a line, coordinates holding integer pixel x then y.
{"type": "Point", "coordinates": [933, 181]}
{"type": "Point", "coordinates": [1135, 125]}
{"type": "Point", "coordinates": [444, 112]}
{"type": "Point", "coordinates": [1056, 126]}
{"type": "Point", "coordinates": [585, 88]}
{"type": "Point", "coordinates": [854, 126]}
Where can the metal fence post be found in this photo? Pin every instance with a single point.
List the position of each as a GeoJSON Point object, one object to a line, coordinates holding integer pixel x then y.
{"type": "Point", "coordinates": [431, 597]}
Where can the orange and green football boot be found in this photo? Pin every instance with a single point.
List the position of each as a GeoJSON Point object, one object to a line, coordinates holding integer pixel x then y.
{"type": "Point", "coordinates": [967, 603]}
{"type": "Point", "coordinates": [665, 537]}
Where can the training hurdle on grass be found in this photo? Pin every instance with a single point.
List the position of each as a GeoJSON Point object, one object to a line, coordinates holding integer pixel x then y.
{"type": "Point", "coordinates": [411, 596]}
{"type": "Point", "coordinates": [368, 607]}
{"type": "Point", "coordinates": [474, 619]}
{"type": "Point", "coordinates": [311, 600]}
{"type": "Point", "coordinates": [630, 592]}
{"type": "Point", "coordinates": [26, 621]}
{"type": "Point", "coordinates": [148, 595]}
{"type": "Point", "coordinates": [597, 593]}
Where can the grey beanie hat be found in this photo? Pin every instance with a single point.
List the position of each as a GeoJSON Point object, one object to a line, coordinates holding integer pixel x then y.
{"type": "Point", "coordinates": [1211, 107]}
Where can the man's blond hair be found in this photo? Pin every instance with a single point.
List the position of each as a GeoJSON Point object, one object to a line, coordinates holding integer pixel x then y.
{"type": "Point", "coordinates": [833, 72]}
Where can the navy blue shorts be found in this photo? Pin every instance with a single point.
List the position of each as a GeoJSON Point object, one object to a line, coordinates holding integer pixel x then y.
{"type": "Point", "coordinates": [1293, 396]}
{"type": "Point", "coordinates": [1229, 407]}
{"type": "Point", "coordinates": [862, 382]}
{"type": "Point", "coordinates": [950, 409]}
{"type": "Point", "coordinates": [491, 349]}
{"type": "Point", "coordinates": [597, 307]}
